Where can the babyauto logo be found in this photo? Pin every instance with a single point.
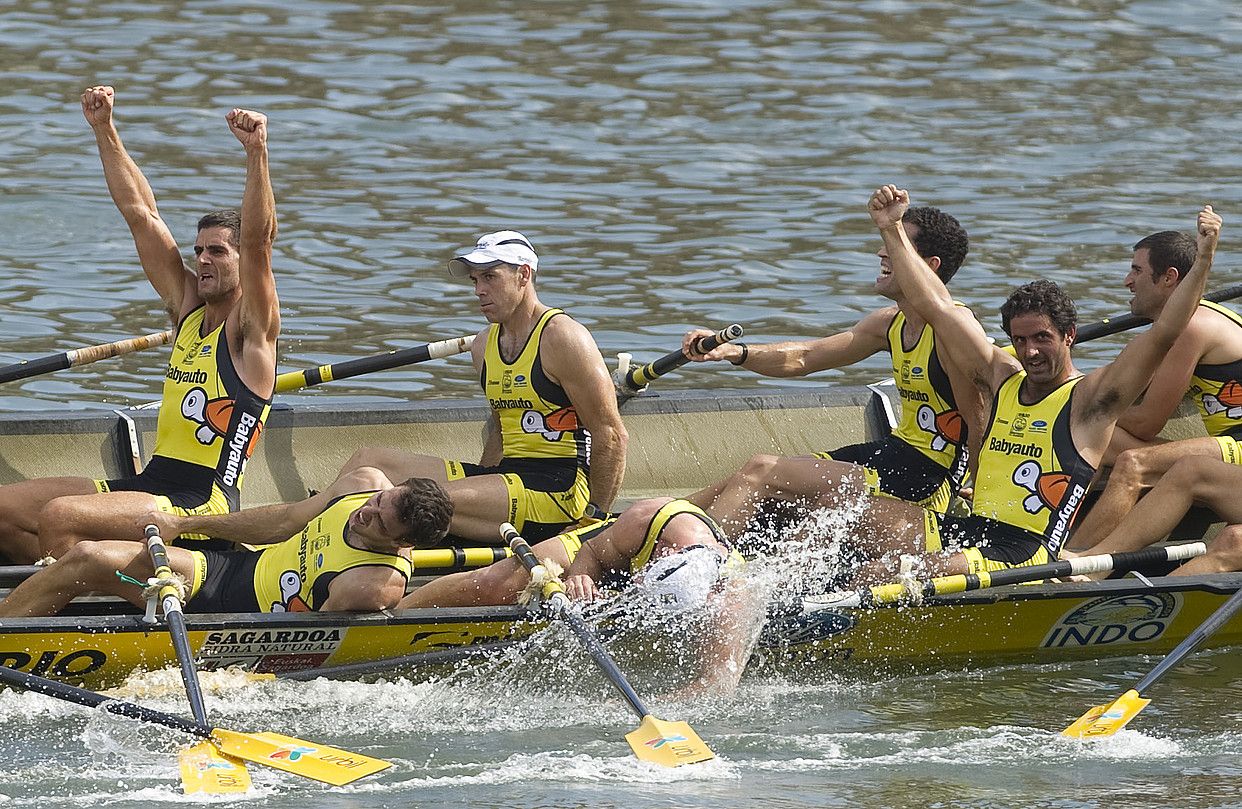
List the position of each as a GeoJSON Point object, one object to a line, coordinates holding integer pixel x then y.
{"type": "Point", "coordinates": [1115, 620]}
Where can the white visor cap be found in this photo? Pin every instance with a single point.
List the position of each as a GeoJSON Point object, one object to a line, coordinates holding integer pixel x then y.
{"type": "Point", "coordinates": [681, 581]}
{"type": "Point", "coordinates": [503, 246]}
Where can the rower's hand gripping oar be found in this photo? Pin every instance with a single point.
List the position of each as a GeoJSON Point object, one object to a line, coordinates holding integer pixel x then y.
{"type": "Point", "coordinates": [900, 592]}
{"type": "Point", "coordinates": [81, 356]}
{"type": "Point", "coordinates": [632, 380]}
{"type": "Point", "coordinates": [1107, 719]}
{"type": "Point", "coordinates": [662, 742]}
{"type": "Point", "coordinates": [298, 756]}
{"type": "Point", "coordinates": [203, 767]}
{"type": "Point", "coordinates": [294, 380]}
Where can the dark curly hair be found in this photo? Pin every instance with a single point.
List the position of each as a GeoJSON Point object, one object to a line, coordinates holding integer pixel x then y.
{"type": "Point", "coordinates": [1169, 248]}
{"type": "Point", "coordinates": [1041, 297]}
{"type": "Point", "coordinates": [223, 218]}
{"type": "Point", "coordinates": [425, 509]}
{"type": "Point", "coordinates": [939, 234]}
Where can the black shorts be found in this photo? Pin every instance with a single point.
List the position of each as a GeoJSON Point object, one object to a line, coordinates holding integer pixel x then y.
{"type": "Point", "coordinates": [545, 494]}
{"type": "Point", "coordinates": [900, 471]}
{"type": "Point", "coordinates": [987, 544]}
{"type": "Point", "coordinates": [229, 583]}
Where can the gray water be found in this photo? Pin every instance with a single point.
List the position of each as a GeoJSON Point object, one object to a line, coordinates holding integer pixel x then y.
{"type": "Point", "coordinates": [676, 164]}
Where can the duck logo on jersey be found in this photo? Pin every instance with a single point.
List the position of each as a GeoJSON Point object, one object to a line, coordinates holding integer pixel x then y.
{"type": "Point", "coordinates": [946, 427]}
{"type": "Point", "coordinates": [212, 416]}
{"type": "Point", "coordinates": [290, 594]}
{"type": "Point", "coordinates": [1227, 400]}
{"type": "Point", "coordinates": [1047, 489]}
{"type": "Point", "coordinates": [553, 425]}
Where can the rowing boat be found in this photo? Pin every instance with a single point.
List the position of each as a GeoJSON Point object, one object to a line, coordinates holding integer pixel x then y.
{"type": "Point", "coordinates": [679, 442]}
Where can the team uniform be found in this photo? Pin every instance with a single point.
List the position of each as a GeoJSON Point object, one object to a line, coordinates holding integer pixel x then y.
{"type": "Point", "coordinates": [1217, 391]}
{"type": "Point", "coordinates": [1031, 482]}
{"type": "Point", "coordinates": [546, 451]}
{"type": "Point", "coordinates": [292, 576]}
{"type": "Point", "coordinates": [209, 424]}
{"type": "Point", "coordinates": [924, 460]}
{"type": "Point", "coordinates": [573, 540]}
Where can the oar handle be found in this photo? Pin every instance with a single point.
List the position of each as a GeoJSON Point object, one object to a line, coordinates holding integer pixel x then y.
{"type": "Point", "coordinates": [293, 380]}
{"type": "Point", "coordinates": [560, 608]}
{"type": "Point", "coordinates": [81, 356]}
{"type": "Point", "coordinates": [1113, 325]}
{"type": "Point", "coordinates": [1183, 650]}
{"type": "Point", "coordinates": [636, 379]}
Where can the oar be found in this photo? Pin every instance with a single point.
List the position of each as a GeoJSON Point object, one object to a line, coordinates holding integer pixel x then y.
{"type": "Point", "coordinates": [1113, 325]}
{"type": "Point", "coordinates": [297, 756]}
{"type": "Point", "coordinates": [897, 592]}
{"type": "Point", "coordinates": [632, 380]}
{"type": "Point", "coordinates": [1107, 719]}
{"type": "Point", "coordinates": [429, 561]}
{"type": "Point", "coordinates": [293, 380]}
{"type": "Point", "coordinates": [668, 743]}
{"type": "Point", "coordinates": [81, 356]}
{"type": "Point", "coordinates": [203, 767]}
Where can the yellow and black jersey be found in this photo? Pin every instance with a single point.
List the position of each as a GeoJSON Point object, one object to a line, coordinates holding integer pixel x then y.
{"type": "Point", "coordinates": [1031, 476]}
{"type": "Point", "coordinates": [1217, 389]}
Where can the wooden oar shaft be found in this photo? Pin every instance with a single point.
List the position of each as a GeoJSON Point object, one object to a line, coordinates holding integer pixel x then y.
{"type": "Point", "coordinates": [81, 356]}
{"type": "Point", "coordinates": [559, 605]}
{"type": "Point", "coordinates": [1184, 649]}
{"type": "Point", "coordinates": [293, 380]}
{"type": "Point", "coordinates": [637, 378]}
{"type": "Point", "coordinates": [1113, 325]}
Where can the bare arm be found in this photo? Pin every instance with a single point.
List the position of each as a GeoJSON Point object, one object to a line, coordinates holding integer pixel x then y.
{"type": "Point", "coordinates": [964, 340]}
{"type": "Point", "coordinates": [364, 589]}
{"type": "Point", "coordinates": [799, 358]}
{"type": "Point", "coordinates": [573, 361]}
{"type": "Point", "coordinates": [257, 315]}
{"type": "Point", "coordinates": [728, 640]}
{"type": "Point", "coordinates": [1109, 390]}
{"type": "Point", "coordinates": [157, 250]}
{"type": "Point", "coordinates": [493, 443]}
{"type": "Point", "coordinates": [1146, 419]}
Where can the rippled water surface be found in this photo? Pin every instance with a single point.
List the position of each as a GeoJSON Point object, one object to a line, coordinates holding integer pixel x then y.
{"type": "Point", "coordinates": [676, 164]}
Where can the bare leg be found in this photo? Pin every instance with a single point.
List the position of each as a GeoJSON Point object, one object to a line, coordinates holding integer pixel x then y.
{"type": "Point", "coordinates": [1134, 472]}
{"type": "Point", "coordinates": [397, 465]}
{"type": "Point", "coordinates": [1196, 479]}
{"type": "Point", "coordinates": [732, 503]}
{"type": "Point", "coordinates": [66, 521]}
{"type": "Point", "coordinates": [20, 504]}
{"type": "Point", "coordinates": [1224, 555]}
{"type": "Point", "coordinates": [88, 567]}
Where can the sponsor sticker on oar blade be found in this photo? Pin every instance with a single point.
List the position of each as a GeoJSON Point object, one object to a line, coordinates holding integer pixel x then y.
{"type": "Point", "coordinates": [298, 756]}
{"type": "Point", "coordinates": [206, 769]}
{"type": "Point", "coordinates": [1105, 720]}
{"type": "Point", "coordinates": [667, 743]}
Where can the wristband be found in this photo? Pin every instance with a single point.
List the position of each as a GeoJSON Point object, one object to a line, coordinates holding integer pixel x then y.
{"type": "Point", "coordinates": [741, 360]}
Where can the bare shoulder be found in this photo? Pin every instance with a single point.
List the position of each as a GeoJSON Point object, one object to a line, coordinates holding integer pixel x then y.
{"type": "Point", "coordinates": [876, 323]}
{"type": "Point", "coordinates": [1212, 333]}
{"type": "Point", "coordinates": [566, 340]}
{"type": "Point", "coordinates": [361, 479]}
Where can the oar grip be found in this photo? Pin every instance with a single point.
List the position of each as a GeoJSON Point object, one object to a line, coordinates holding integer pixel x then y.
{"type": "Point", "coordinates": [638, 378]}
{"type": "Point", "coordinates": [538, 573]}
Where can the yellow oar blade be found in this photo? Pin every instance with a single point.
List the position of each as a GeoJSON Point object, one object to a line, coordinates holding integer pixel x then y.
{"type": "Point", "coordinates": [1105, 720]}
{"type": "Point", "coordinates": [206, 769]}
{"type": "Point", "coordinates": [298, 756]}
{"type": "Point", "coordinates": [669, 744]}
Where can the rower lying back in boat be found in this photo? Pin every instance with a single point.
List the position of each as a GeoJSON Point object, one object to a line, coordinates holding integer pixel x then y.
{"type": "Point", "coordinates": [341, 549]}
{"type": "Point", "coordinates": [676, 556]}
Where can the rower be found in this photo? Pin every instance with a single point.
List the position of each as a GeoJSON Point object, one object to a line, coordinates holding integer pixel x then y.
{"type": "Point", "coordinates": [1205, 363]}
{"type": "Point", "coordinates": [219, 380]}
{"type": "Point", "coordinates": [555, 446]}
{"type": "Point", "coordinates": [925, 459]}
{"type": "Point", "coordinates": [343, 549]}
{"type": "Point", "coordinates": [673, 553]}
{"type": "Point", "coordinates": [1050, 424]}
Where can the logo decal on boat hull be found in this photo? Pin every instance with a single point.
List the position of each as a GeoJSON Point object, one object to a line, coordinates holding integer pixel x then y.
{"type": "Point", "coordinates": [1135, 618]}
{"type": "Point", "coordinates": [806, 628]}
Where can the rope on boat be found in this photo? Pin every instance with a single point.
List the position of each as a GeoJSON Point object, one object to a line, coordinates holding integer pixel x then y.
{"type": "Point", "coordinates": [545, 573]}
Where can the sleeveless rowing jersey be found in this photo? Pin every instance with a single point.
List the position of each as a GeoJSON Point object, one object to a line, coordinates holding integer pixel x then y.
{"type": "Point", "coordinates": [294, 576]}
{"type": "Point", "coordinates": [1217, 389]}
{"type": "Point", "coordinates": [660, 519]}
{"type": "Point", "coordinates": [209, 421]}
{"type": "Point", "coordinates": [536, 417]}
{"type": "Point", "coordinates": [930, 421]}
{"type": "Point", "coordinates": [1031, 475]}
